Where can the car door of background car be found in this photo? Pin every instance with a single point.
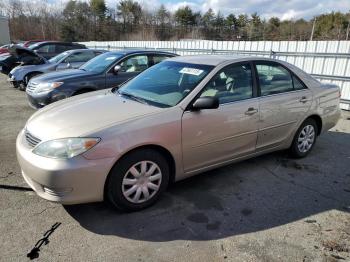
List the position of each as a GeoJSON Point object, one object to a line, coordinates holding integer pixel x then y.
{"type": "Point", "coordinates": [130, 67]}
{"type": "Point", "coordinates": [283, 102]}
{"type": "Point", "coordinates": [46, 50]}
{"type": "Point", "coordinates": [215, 136]}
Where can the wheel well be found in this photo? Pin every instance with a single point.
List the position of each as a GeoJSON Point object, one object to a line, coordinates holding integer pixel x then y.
{"type": "Point", "coordinates": [164, 152]}
{"type": "Point", "coordinates": [318, 121]}
{"type": "Point", "coordinates": [83, 90]}
{"type": "Point", "coordinates": [33, 73]}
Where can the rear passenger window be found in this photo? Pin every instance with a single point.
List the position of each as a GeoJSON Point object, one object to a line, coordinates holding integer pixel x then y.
{"type": "Point", "coordinates": [232, 83]}
{"type": "Point", "coordinates": [297, 84]}
{"type": "Point", "coordinates": [273, 79]}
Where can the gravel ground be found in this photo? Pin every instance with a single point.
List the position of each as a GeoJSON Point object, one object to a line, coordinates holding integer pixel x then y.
{"type": "Point", "coordinates": [270, 208]}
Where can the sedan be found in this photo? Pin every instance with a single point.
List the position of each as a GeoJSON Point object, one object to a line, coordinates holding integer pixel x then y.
{"type": "Point", "coordinates": [105, 71]}
{"type": "Point", "coordinates": [20, 75]}
{"type": "Point", "coordinates": [179, 118]}
{"type": "Point", "coordinates": [35, 54]}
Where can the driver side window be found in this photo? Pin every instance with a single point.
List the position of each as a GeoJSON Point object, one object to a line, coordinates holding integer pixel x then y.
{"type": "Point", "coordinates": [137, 63]}
{"type": "Point", "coordinates": [232, 83]}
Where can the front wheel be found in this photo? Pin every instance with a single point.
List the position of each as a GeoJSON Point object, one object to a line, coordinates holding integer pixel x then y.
{"type": "Point", "coordinates": [304, 139]}
{"type": "Point", "coordinates": [137, 180]}
{"type": "Point", "coordinates": [27, 78]}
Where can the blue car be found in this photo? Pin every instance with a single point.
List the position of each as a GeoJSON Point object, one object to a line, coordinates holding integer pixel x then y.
{"type": "Point", "coordinates": [20, 75]}
{"type": "Point", "coordinates": [107, 70]}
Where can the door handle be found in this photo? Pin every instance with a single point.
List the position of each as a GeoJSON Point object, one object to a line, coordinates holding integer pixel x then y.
{"type": "Point", "coordinates": [303, 99]}
{"type": "Point", "coordinates": [251, 111]}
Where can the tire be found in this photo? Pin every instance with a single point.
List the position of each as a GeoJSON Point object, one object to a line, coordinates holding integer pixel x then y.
{"type": "Point", "coordinates": [22, 86]}
{"type": "Point", "coordinates": [29, 76]}
{"type": "Point", "coordinates": [125, 191]}
{"type": "Point", "coordinates": [304, 139]}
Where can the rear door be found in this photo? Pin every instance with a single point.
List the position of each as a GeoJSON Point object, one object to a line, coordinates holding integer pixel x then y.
{"type": "Point", "coordinates": [218, 135]}
{"type": "Point", "coordinates": [46, 50]}
{"type": "Point", "coordinates": [130, 67]}
{"type": "Point", "coordinates": [283, 102]}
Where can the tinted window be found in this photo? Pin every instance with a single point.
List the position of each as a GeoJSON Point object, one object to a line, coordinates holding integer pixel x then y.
{"type": "Point", "coordinates": [64, 47]}
{"type": "Point", "coordinates": [155, 59]}
{"type": "Point", "coordinates": [233, 83]}
{"type": "Point", "coordinates": [50, 48]}
{"type": "Point", "coordinates": [297, 84]}
{"type": "Point", "coordinates": [273, 79]}
{"type": "Point", "coordinates": [166, 83]}
{"type": "Point", "coordinates": [137, 63]}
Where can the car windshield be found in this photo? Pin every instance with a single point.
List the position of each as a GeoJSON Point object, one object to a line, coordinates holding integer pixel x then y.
{"type": "Point", "coordinates": [58, 57]}
{"type": "Point", "coordinates": [101, 63]}
{"type": "Point", "coordinates": [165, 84]}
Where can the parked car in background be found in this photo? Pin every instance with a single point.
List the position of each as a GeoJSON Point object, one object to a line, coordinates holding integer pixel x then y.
{"type": "Point", "coordinates": [179, 118]}
{"type": "Point", "coordinates": [4, 49]}
{"type": "Point", "coordinates": [104, 71]}
{"type": "Point", "coordinates": [20, 75]}
{"type": "Point", "coordinates": [34, 55]}
{"type": "Point", "coordinates": [31, 42]}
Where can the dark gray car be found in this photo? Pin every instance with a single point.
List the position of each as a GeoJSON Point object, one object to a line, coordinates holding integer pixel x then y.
{"type": "Point", "coordinates": [104, 71]}
{"type": "Point", "coordinates": [20, 75]}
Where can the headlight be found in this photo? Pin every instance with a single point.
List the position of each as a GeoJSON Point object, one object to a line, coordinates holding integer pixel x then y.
{"type": "Point", "coordinates": [65, 147]}
{"type": "Point", "coordinates": [44, 87]}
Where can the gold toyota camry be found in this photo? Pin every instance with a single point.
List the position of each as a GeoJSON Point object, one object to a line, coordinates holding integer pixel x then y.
{"type": "Point", "coordinates": [179, 118]}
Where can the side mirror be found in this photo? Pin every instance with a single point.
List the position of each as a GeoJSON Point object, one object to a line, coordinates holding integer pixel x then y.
{"type": "Point", "coordinates": [116, 69]}
{"type": "Point", "coordinates": [69, 65]}
{"type": "Point", "coordinates": [206, 102]}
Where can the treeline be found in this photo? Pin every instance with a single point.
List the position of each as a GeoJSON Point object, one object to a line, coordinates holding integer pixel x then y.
{"type": "Point", "coordinates": [85, 21]}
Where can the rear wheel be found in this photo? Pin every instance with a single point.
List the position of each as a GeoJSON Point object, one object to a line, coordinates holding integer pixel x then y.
{"type": "Point", "coordinates": [304, 139]}
{"type": "Point", "coordinates": [22, 86]}
{"type": "Point", "coordinates": [137, 180]}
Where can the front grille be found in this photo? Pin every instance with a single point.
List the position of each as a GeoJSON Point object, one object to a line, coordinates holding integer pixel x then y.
{"type": "Point", "coordinates": [31, 86]}
{"type": "Point", "coordinates": [31, 140]}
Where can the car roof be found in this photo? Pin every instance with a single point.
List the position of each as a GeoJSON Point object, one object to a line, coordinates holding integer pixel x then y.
{"type": "Point", "coordinates": [56, 42]}
{"type": "Point", "coordinates": [215, 60]}
{"type": "Point", "coordinates": [136, 51]}
{"type": "Point", "coordinates": [85, 50]}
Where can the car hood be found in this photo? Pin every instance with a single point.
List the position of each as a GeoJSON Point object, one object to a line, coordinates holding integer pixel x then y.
{"type": "Point", "coordinates": [26, 68]}
{"type": "Point", "coordinates": [84, 114]}
{"type": "Point", "coordinates": [62, 75]}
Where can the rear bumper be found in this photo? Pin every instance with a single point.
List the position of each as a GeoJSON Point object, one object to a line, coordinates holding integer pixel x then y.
{"type": "Point", "coordinates": [68, 181]}
{"type": "Point", "coordinates": [330, 119]}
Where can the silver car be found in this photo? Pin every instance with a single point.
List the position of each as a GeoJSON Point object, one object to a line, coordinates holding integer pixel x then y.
{"type": "Point", "coordinates": [20, 75]}
{"type": "Point", "coordinates": [178, 118]}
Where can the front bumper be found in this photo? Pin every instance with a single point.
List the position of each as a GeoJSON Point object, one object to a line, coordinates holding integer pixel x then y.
{"type": "Point", "coordinates": [39, 100]}
{"type": "Point", "coordinates": [67, 181]}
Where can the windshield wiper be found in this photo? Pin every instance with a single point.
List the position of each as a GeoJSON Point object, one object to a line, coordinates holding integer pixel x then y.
{"type": "Point", "coordinates": [133, 97]}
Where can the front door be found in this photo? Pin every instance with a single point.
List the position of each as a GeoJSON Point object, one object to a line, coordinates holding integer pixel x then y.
{"type": "Point", "coordinates": [129, 68]}
{"type": "Point", "coordinates": [214, 136]}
